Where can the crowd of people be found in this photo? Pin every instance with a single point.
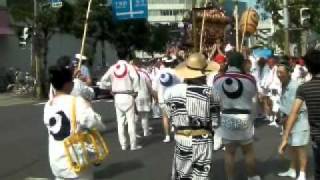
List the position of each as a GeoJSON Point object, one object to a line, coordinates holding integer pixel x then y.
{"type": "Point", "coordinates": [207, 102]}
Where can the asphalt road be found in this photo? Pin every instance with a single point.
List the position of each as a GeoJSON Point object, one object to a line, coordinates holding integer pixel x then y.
{"type": "Point", "coordinates": [24, 149]}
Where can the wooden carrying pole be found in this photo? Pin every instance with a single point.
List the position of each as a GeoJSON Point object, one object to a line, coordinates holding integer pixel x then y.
{"type": "Point", "coordinates": [84, 33]}
{"type": "Point", "coordinates": [244, 30]}
{"type": "Point", "coordinates": [236, 14]}
{"type": "Point", "coordinates": [202, 27]}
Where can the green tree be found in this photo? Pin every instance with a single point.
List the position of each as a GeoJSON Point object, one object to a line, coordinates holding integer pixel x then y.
{"type": "Point", "coordinates": [47, 22]}
{"type": "Point", "coordinates": [129, 34]}
{"type": "Point", "coordinates": [100, 26]}
{"type": "Point", "coordinates": [273, 7]}
{"type": "Point", "coordinates": [159, 38]}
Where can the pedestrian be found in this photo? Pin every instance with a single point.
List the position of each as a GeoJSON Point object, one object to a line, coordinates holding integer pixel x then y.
{"type": "Point", "coordinates": [222, 61]}
{"type": "Point", "coordinates": [299, 137]}
{"type": "Point", "coordinates": [125, 86]}
{"type": "Point", "coordinates": [154, 73]}
{"type": "Point", "coordinates": [272, 86]}
{"type": "Point", "coordinates": [300, 72]}
{"type": "Point", "coordinates": [194, 110]}
{"type": "Point", "coordinates": [84, 70]}
{"type": "Point", "coordinates": [80, 87]}
{"type": "Point", "coordinates": [57, 118]}
{"type": "Point", "coordinates": [238, 95]}
{"type": "Point", "coordinates": [307, 93]}
{"type": "Point", "coordinates": [144, 98]}
{"type": "Point", "coordinates": [160, 87]}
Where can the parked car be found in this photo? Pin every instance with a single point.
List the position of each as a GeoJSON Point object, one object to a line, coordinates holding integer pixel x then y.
{"type": "Point", "coordinates": [101, 93]}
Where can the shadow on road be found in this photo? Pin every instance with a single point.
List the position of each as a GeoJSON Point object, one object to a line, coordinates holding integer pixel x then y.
{"type": "Point", "coordinates": [112, 170]}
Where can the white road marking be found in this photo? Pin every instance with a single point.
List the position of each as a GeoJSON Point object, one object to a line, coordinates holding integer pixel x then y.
{"type": "Point", "coordinates": [95, 101]}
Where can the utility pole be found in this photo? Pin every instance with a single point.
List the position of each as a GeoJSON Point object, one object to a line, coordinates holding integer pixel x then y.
{"type": "Point", "coordinates": [304, 41]}
{"type": "Point", "coordinates": [34, 58]}
{"type": "Point", "coordinates": [36, 44]}
{"type": "Point", "coordinates": [286, 19]}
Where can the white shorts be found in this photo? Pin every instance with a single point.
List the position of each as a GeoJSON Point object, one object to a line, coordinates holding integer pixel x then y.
{"type": "Point", "coordinates": [300, 138]}
{"type": "Point", "coordinates": [237, 142]}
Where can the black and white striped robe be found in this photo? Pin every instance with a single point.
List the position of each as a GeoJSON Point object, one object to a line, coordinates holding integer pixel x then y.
{"type": "Point", "coordinates": [192, 107]}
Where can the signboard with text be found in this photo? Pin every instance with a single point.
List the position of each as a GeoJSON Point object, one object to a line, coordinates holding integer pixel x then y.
{"type": "Point", "coordinates": [130, 9]}
{"type": "Point", "coordinates": [56, 3]}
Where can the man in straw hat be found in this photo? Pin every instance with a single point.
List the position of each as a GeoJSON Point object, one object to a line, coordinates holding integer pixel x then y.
{"type": "Point", "coordinates": [80, 88]}
{"type": "Point", "coordinates": [125, 85]}
{"type": "Point", "coordinates": [194, 110]}
{"type": "Point", "coordinates": [238, 92]}
{"type": "Point", "coordinates": [84, 70]}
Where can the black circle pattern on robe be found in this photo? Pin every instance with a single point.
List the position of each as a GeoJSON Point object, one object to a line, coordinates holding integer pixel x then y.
{"type": "Point", "coordinates": [59, 126]}
{"type": "Point", "coordinates": [236, 94]}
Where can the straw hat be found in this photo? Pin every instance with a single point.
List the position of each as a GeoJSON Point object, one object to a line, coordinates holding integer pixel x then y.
{"type": "Point", "coordinates": [196, 66]}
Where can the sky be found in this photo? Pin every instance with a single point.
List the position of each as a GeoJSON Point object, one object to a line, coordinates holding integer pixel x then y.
{"type": "Point", "coordinates": [251, 3]}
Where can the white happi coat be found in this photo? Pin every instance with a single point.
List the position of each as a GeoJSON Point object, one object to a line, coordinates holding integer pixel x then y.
{"type": "Point", "coordinates": [260, 77]}
{"type": "Point", "coordinates": [143, 100]}
{"type": "Point", "coordinates": [57, 118]}
{"type": "Point", "coordinates": [157, 86]}
{"type": "Point", "coordinates": [300, 74]}
{"type": "Point", "coordinates": [124, 102]}
{"type": "Point", "coordinates": [238, 95]}
{"type": "Point", "coordinates": [272, 82]}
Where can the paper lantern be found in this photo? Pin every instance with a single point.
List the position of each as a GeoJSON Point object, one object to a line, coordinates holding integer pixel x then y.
{"type": "Point", "coordinates": [249, 21]}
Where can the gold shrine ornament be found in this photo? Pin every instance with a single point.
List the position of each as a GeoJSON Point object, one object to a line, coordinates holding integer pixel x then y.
{"type": "Point", "coordinates": [249, 21]}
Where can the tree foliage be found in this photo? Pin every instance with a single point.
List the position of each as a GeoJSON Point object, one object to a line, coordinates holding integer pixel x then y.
{"type": "Point", "coordinates": [129, 34]}
{"type": "Point", "coordinates": [273, 7]}
{"type": "Point", "coordinates": [159, 38]}
{"type": "Point", "coordinates": [102, 26]}
{"type": "Point", "coordinates": [47, 22]}
{"type": "Point", "coordinates": [48, 19]}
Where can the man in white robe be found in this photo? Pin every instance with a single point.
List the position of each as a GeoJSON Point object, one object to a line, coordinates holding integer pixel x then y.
{"type": "Point", "coordinates": [125, 85]}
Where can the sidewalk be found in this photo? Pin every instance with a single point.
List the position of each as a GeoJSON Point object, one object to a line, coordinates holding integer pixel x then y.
{"type": "Point", "coordinates": [9, 99]}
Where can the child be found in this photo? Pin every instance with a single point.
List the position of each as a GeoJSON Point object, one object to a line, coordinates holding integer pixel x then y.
{"type": "Point", "coordinates": [57, 118]}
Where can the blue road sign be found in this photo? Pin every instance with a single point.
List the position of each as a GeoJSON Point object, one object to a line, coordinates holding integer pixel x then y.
{"type": "Point", "coordinates": [130, 9]}
{"type": "Point", "coordinates": [56, 3]}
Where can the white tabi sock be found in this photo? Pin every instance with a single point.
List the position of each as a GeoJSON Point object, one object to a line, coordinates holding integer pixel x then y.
{"type": "Point", "coordinates": [302, 176]}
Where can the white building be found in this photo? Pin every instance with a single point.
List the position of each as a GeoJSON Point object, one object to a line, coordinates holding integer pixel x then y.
{"type": "Point", "coordinates": [264, 32]}
{"type": "Point", "coordinates": [168, 11]}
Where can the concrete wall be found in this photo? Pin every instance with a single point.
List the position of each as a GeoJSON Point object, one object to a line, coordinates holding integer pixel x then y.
{"type": "Point", "coordinates": [11, 55]}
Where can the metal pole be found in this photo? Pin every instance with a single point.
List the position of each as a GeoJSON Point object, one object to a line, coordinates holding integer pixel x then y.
{"type": "Point", "coordinates": [286, 19]}
{"type": "Point", "coordinates": [34, 49]}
